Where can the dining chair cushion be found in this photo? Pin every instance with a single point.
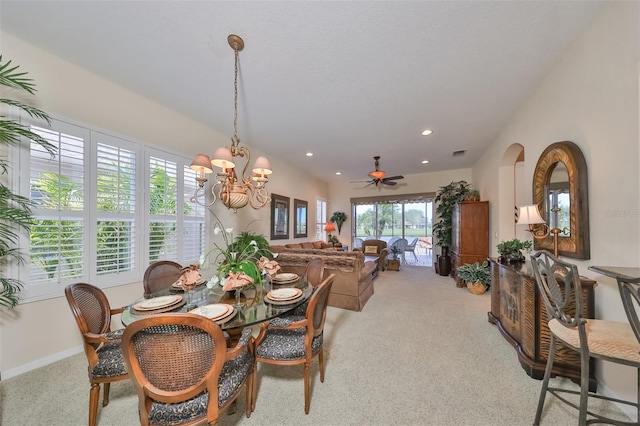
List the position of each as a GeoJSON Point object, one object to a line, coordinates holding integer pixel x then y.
{"type": "Point", "coordinates": [284, 344]}
{"type": "Point", "coordinates": [170, 414]}
{"type": "Point", "coordinates": [114, 335]}
{"type": "Point", "coordinates": [110, 361]}
{"type": "Point", "coordinates": [232, 376]}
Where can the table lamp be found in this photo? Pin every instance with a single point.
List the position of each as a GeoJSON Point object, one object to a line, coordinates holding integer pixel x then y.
{"type": "Point", "coordinates": [329, 227]}
{"type": "Point", "coordinates": [530, 215]}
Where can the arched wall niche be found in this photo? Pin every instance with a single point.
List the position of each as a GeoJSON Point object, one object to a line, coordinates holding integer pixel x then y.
{"type": "Point", "coordinates": [511, 190]}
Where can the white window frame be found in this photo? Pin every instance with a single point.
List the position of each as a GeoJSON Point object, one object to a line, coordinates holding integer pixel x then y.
{"type": "Point", "coordinates": [19, 181]}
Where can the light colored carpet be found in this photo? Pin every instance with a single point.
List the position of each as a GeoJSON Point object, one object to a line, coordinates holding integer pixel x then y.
{"type": "Point", "coordinates": [420, 353]}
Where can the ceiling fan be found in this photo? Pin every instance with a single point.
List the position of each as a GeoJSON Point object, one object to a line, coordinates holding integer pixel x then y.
{"type": "Point", "coordinates": [377, 176]}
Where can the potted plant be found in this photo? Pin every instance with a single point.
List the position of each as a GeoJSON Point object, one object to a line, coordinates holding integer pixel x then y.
{"type": "Point", "coordinates": [15, 211]}
{"type": "Point", "coordinates": [511, 251]}
{"type": "Point", "coordinates": [472, 195]}
{"type": "Point", "coordinates": [395, 251]}
{"type": "Point", "coordinates": [446, 199]}
{"type": "Point", "coordinates": [338, 218]}
{"type": "Point", "coordinates": [476, 275]}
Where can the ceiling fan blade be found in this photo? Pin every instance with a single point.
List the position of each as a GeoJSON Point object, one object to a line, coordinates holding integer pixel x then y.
{"type": "Point", "coordinates": [393, 178]}
{"type": "Point", "coordinates": [360, 181]}
{"type": "Point", "coordinates": [390, 183]}
{"type": "Point", "coordinates": [370, 183]}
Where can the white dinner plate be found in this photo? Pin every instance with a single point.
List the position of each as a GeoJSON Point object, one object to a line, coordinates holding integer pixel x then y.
{"type": "Point", "coordinates": [286, 276]}
{"type": "Point", "coordinates": [284, 294]}
{"type": "Point", "coordinates": [157, 303]}
{"type": "Point", "coordinates": [213, 311]}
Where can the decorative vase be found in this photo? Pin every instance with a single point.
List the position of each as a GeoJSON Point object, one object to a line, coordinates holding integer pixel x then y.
{"type": "Point", "coordinates": [476, 288]}
{"type": "Point", "coordinates": [444, 262]}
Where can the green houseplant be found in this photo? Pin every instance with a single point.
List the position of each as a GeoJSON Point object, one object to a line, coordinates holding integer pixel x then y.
{"type": "Point", "coordinates": [338, 218]}
{"type": "Point", "coordinates": [511, 251]}
{"type": "Point", "coordinates": [15, 210]}
{"type": "Point", "coordinates": [446, 199]}
{"type": "Point", "coordinates": [476, 275]}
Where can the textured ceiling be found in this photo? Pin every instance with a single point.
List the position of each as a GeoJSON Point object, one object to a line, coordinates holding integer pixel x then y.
{"type": "Point", "coordinates": [345, 80]}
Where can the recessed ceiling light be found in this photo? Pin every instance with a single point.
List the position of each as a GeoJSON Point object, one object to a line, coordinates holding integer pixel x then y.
{"type": "Point", "coordinates": [309, 154]}
{"type": "Point", "coordinates": [427, 132]}
{"type": "Point", "coordinates": [338, 173]}
{"type": "Point", "coordinates": [425, 161]}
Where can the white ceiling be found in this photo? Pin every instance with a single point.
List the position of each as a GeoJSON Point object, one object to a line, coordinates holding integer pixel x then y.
{"type": "Point", "coordinates": [345, 80]}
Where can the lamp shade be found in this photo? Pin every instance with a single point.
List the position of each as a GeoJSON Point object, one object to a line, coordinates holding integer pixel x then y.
{"type": "Point", "coordinates": [223, 158]}
{"type": "Point", "coordinates": [262, 166]}
{"type": "Point", "coordinates": [329, 227]}
{"type": "Point", "coordinates": [378, 174]}
{"type": "Point", "coordinates": [201, 163]}
{"type": "Point", "coordinates": [530, 215]}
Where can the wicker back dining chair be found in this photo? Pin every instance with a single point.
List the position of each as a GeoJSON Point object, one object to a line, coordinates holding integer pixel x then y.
{"type": "Point", "coordinates": [561, 290]}
{"type": "Point", "coordinates": [314, 271]}
{"type": "Point", "coordinates": [160, 275]}
{"type": "Point", "coordinates": [92, 312]}
{"type": "Point", "coordinates": [313, 274]}
{"type": "Point", "coordinates": [182, 370]}
{"type": "Point", "coordinates": [294, 340]}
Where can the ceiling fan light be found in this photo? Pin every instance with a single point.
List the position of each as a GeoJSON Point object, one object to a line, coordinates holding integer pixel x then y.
{"type": "Point", "coordinates": [377, 174]}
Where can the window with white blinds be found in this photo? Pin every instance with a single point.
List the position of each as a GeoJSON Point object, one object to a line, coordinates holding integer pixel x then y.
{"type": "Point", "coordinates": [104, 209]}
{"type": "Point", "coordinates": [116, 205]}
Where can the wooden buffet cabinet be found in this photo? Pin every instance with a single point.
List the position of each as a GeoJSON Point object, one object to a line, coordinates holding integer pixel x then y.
{"type": "Point", "coordinates": [519, 312]}
{"type": "Point", "coordinates": [469, 235]}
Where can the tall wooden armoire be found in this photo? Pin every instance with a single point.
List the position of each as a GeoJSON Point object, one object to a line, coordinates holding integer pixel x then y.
{"type": "Point", "coordinates": [469, 235]}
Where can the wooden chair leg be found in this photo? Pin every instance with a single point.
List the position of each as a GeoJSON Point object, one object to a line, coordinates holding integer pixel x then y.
{"type": "Point", "coordinates": [254, 394]}
{"type": "Point", "coordinates": [105, 396]}
{"type": "Point", "coordinates": [94, 396]}
{"type": "Point", "coordinates": [249, 392]}
{"type": "Point", "coordinates": [307, 390]}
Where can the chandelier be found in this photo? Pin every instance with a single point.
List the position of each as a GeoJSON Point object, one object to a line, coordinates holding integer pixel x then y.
{"type": "Point", "coordinates": [232, 190]}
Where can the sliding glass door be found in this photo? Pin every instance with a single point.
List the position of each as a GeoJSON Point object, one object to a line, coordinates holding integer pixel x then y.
{"type": "Point", "coordinates": [384, 220]}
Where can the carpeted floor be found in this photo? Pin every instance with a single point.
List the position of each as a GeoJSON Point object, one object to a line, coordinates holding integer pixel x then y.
{"type": "Point", "coordinates": [420, 353]}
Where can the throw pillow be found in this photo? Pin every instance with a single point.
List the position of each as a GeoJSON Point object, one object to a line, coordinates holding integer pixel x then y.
{"type": "Point", "coordinates": [307, 245]}
{"type": "Point", "coordinates": [371, 249]}
{"type": "Point", "coordinates": [317, 244]}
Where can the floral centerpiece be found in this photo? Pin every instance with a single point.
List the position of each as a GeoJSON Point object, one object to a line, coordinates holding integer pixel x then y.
{"type": "Point", "coordinates": [239, 265]}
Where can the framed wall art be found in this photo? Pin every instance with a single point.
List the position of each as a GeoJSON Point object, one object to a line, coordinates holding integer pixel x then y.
{"type": "Point", "coordinates": [279, 217]}
{"type": "Point", "coordinates": [299, 218]}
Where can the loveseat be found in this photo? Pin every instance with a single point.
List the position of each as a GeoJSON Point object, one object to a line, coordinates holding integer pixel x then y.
{"type": "Point", "coordinates": [353, 284]}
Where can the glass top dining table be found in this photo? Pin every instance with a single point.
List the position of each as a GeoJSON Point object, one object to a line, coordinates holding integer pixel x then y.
{"type": "Point", "coordinates": [255, 308]}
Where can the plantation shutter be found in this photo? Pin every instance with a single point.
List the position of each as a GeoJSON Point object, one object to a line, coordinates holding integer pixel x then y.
{"type": "Point", "coordinates": [193, 231]}
{"type": "Point", "coordinates": [57, 190]}
{"type": "Point", "coordinates": [116, 205]}
{"type": "Point", "coordinates": [163, 201]}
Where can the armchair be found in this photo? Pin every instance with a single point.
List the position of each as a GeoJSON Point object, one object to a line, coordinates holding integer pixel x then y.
{"type": "Point", "coordinates": [381, 251]}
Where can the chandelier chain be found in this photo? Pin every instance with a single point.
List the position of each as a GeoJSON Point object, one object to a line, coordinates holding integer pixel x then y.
{"type": "Point", "coordinates": [235, 99]}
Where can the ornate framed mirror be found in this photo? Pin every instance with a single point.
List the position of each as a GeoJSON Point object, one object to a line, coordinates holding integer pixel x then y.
{"type": "Point", "coordinates": [560, 191]}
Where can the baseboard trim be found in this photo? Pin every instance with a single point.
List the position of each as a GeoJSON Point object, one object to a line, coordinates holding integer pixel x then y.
{"type": "Point", "coordinates": [628, 410]}
{"type": "Point", "coordinates": [25, 368]}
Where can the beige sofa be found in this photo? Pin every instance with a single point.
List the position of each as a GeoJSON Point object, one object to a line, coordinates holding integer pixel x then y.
{"type": "Point", "coordinates": [353, 284]}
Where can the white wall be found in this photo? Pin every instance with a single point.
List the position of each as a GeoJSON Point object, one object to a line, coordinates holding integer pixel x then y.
{"type": "Point", "coordinates": [34, 334]}
{"type": "Point", "coordinates": [590, 98]}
